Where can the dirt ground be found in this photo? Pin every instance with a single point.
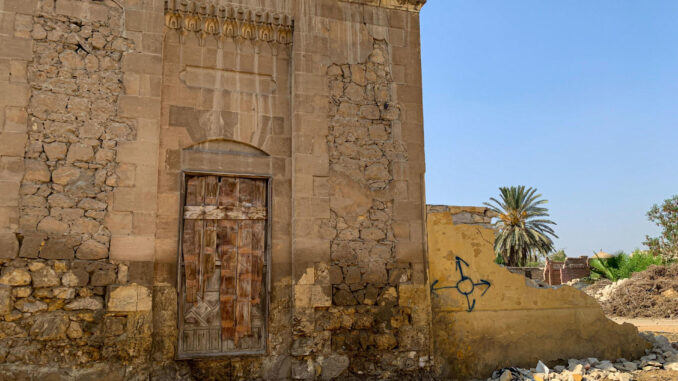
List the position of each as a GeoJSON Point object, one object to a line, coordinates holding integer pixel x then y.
{"type": "Point", "coordinates": [664, 327]}
{"type": "Point", "coordinates": [657, 375]}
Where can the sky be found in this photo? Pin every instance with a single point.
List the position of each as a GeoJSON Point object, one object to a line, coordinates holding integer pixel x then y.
{"type": "Point", "coordinates": [577, 98]}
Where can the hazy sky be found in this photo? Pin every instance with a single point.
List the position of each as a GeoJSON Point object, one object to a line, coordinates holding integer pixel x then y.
{"type": "Point", "coordinates": [577, 98]}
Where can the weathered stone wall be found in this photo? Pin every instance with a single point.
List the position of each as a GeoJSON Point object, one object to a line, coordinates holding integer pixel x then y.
{"type": "Point", "coordinates": [72, 292]}
{"type": "Point", "coordinates": [358, 251]}
{"type": "Point", "coordinates": [226, 109]}
{"type": "Point", "coordinates": [104, 105]}
{"type": "Point", "coordinates": [505, 322]}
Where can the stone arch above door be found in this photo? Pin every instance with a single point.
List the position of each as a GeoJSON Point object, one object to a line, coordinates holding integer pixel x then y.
{"type": "Point", "coordinates": [226, 146]}
{"type": "Point", "coordinates": [226, 156]}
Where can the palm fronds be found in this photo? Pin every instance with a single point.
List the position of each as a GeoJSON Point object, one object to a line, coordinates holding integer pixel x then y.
{"type": "Point", "coordinates": [523, 233]}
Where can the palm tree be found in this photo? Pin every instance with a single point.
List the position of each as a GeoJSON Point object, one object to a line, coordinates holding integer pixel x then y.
{"type": "Point", "coordinates": [523, 233]}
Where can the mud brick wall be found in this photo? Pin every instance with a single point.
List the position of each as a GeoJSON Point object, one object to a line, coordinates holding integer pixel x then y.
{"type": "Point", "coordinates": [557, 273]}
{"type": "Point", "coordinates": [534, 273]}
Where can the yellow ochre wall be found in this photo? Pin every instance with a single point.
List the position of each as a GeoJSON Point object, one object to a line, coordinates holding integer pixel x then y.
{"type": "Point", "coordinates": [512, 324]}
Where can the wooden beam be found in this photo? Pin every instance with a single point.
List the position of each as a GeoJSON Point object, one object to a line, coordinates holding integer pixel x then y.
{"type": "Point", "coordinates": [211, 212]}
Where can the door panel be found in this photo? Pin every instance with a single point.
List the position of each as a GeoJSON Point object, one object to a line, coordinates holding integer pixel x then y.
{"type": "Point", "coordinates": [222, 301]}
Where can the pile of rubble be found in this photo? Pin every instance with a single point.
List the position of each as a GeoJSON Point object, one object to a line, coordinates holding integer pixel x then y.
{"type": "Point", "coordinates": [603, 289]}
{"type": "Point", "coordinates": [652, 293]}
{"type": "Point", "coordinates": [663, 355]}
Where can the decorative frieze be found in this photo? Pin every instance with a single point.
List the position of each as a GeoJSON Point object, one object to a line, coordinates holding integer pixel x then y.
{"type": "Point", "coordinates": [219, 21]}
{"type": "Point", "coordinates": [409, 5]}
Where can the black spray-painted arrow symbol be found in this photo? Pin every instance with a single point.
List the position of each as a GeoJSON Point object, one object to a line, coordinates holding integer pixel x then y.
{"type": "Point", "coordinates": [465, 285]}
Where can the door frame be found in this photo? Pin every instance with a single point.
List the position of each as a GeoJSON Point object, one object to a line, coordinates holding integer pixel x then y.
{"type": "Point", "coordinates": [267, 262]}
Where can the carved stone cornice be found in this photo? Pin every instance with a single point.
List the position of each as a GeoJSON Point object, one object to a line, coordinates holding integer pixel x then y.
{"type": "Point", "coordinates": [408, 5]}
{"type": "Point", "coordinates": [206, 19]}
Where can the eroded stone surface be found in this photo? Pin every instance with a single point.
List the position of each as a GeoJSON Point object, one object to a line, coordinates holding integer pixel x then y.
{"type": "Point", "coordinates": [85, 139]}
{"type": "Point", "coordinates": [129, 298]}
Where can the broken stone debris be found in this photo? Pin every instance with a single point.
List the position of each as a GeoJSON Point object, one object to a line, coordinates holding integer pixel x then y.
{"type": "Point", "coordinates": [662, 356]}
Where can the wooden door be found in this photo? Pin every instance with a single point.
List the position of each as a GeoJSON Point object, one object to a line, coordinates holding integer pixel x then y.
{"type": "Point", "coordinates": [222, 303]}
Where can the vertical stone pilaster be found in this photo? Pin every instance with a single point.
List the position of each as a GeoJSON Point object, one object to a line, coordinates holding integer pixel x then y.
{"type": "Point", "coordinates": [16, 49]}
{"type": "Point", "coordinates": [137, 200]}
{"type": "Point", "coordinates": [358, 248]}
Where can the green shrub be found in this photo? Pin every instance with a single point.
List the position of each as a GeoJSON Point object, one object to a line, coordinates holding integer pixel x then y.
{"type": "Point", "coordinates": [600, 267]}
{"type": "Point", "coordinates": [623, 265]}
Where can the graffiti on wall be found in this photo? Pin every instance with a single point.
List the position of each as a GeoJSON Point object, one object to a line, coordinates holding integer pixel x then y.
{"type": "Point", "coordinates": [465, 285]}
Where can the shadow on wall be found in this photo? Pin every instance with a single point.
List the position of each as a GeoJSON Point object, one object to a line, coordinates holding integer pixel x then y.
{"type": "Point", "coordinates": [486, 318]}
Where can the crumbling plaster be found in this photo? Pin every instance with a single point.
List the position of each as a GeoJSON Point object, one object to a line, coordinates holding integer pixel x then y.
{"type": "Point", "coordinates": [511, 323]}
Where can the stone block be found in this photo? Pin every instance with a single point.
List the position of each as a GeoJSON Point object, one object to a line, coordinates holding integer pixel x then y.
{"type": "Point", "coordinates": [141, 273]}
{"type": "Point", "coordinates": [9, 215]}
{"type": "Point", "coordinates": [144, 224]}
{"type": "Point", "coordinates": [6, 304]}
{"type": "Point", "coordinates": [75, 278]}
{"type": "Point", "coordinates": [48, 327]}
{"type": "Point", "coordinates": [36, 171]}
{"type": "Point", "coordinates": [145, 153]}
{"type": "Point", "coordinates": [166, 250]}
{"type": "Point", "coordinates": [21, 48]}
{"type": "Point", "coordinates": [64, 292]}
{"type": "Point", "coordinates": [45, 277]}
{"type": "Point", "coordinates": [9, 193]}
{"type": "Point", "coordinates": [84, 225]}
{"type": "Point", "coordinates": [148, 130]}
{"type": "Point", "coordinates": [79, 152]}
{"type": "Point", "coordinates": [92, 250]}
{"type": "Point", "coordinates": [321, 296]}
{"type": "Point", "coordinates": [82, 10]}
{"type": "Point", "coordinates": [129, 298]}
{"type": "Point", "coordinates": [57, 249]}
{"type": "Point", "coordinates": [124, 199]}
{"type": "Point", "coordinates": [20, 6]}
{"type": "Point", "coordinates": [16, 119]}
{"type": "Point", "coordinates": [9, 245]}
{"type": "Point", "coordinates": [320, 186]}
{"type": "Point", "coordinates": [12, 143]}
{"type": "Point", "coordinates": [65, 175]}
{"type": "Point", "coordinates": [15, 277]}
{"type": "Point", "coordinates": [152, 43]}
{"type": "Point", "coordinates": [31, 245]}
{"type": "Point", "coordinates": [135, 20]}
{"type": "Point", "coordinates": [142, 63]}
{"type": "Point", "coordinates": [126, 174]}
{"type": "Point", "coordinates": [139, 107]}
{"type": "Point", "coordinates": [132, 248]}
{"type": "Point", "coordinates": [408, 251]}
{"type": "Point", "coordinates": [103, 277]}
{"type": "Point", "coordinates": [119, 223]}
{"type": "Point", "coordinates": [51, 225]}
{"type": "Point", "coordinates": [18, 67]}
{"type": "Point", "coordinates": [302, 295]}
{"type": "Point", "coordinates": [86, 303]}
{"type": "Point", "coordinates": [130, 83]}
{"type": "Point", "coordinates": [55, 151]}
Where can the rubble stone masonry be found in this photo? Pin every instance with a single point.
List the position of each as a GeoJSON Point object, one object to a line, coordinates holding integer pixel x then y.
{"type": "Point", "coordinates": [106, 105]}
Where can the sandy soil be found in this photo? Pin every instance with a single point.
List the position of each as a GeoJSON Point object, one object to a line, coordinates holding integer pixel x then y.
{"type": "Point", "coordinates": [656, 375]}
{"type": "Point", "coordinates": [664, 327]}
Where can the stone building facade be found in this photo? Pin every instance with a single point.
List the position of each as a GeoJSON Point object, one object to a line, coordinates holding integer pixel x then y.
{"type": "Point", "coordinates": [212, 190]}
